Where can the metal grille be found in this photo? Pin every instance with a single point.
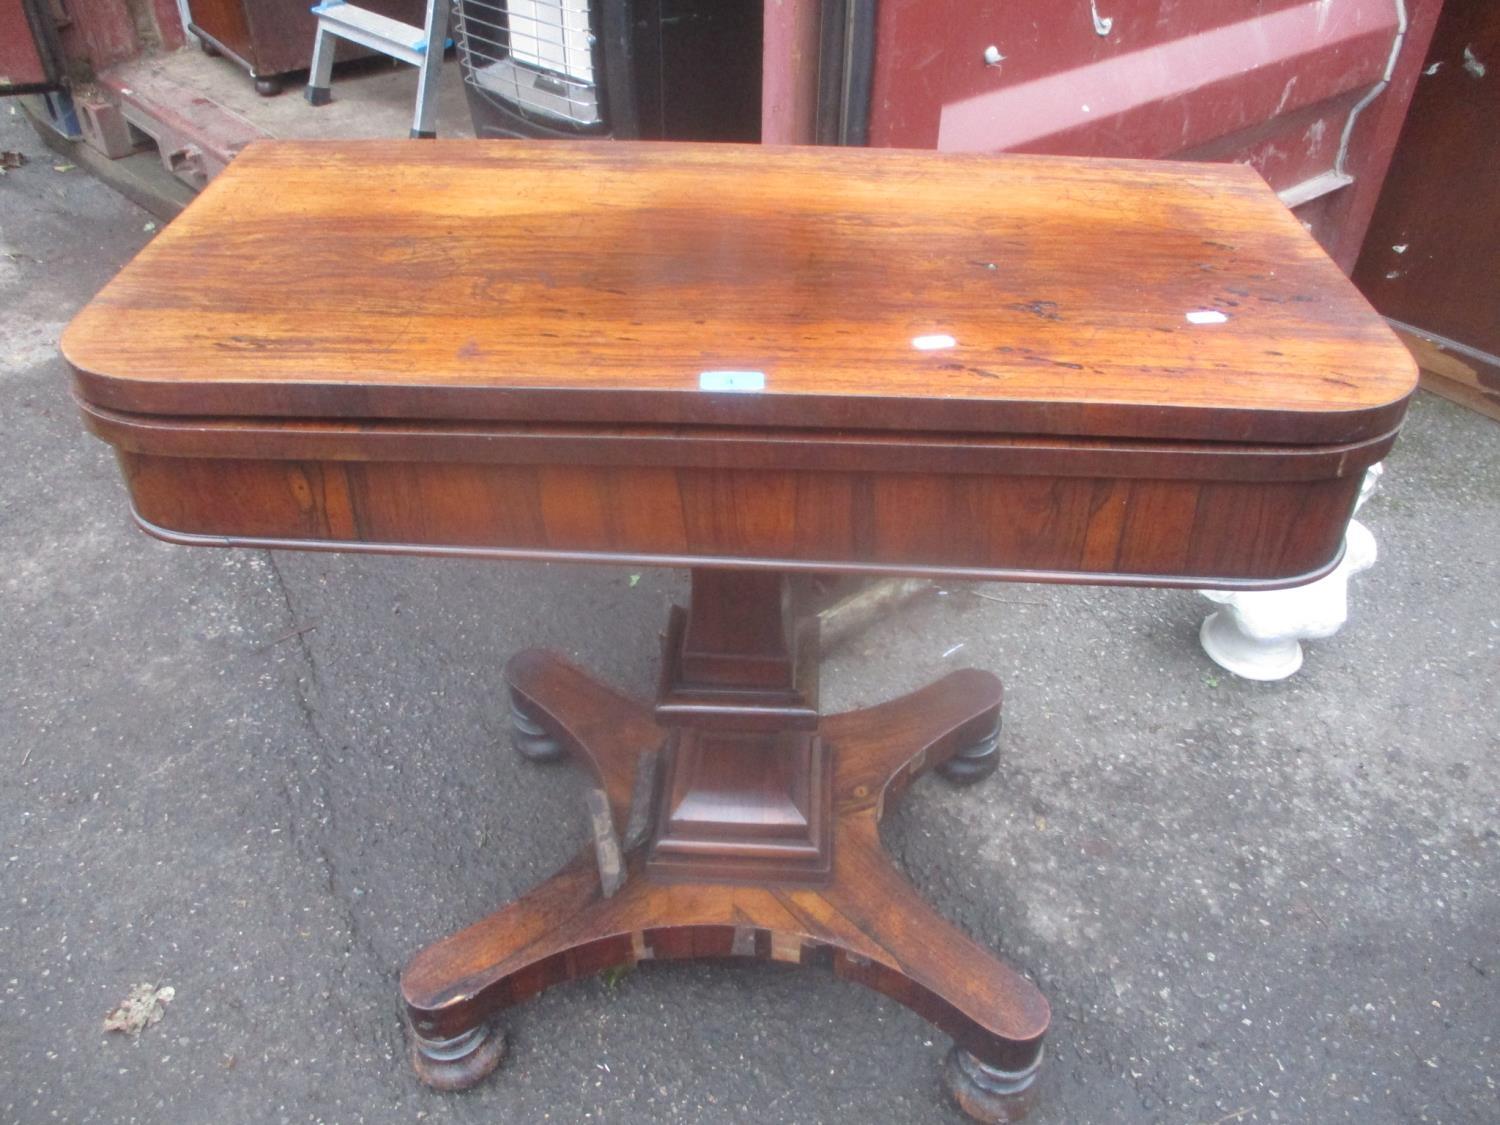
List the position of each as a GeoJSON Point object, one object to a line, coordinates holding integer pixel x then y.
{"type": "Point", "coordinates": [537, 55]}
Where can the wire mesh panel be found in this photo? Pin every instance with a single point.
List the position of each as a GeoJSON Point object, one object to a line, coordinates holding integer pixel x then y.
{"type": "Point", "coordinates": [537, 55]}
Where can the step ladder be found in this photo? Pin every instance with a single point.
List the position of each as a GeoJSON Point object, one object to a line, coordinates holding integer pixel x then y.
{"type": "Point", "coordinates": [422, 47]}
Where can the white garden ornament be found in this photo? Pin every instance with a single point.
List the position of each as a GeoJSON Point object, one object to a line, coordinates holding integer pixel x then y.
{"type": "Point", "coordinates": [1258, 633]}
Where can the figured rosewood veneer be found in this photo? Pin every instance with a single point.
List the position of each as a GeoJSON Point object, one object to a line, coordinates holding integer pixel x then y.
{"type": "Point", "coordinates": [751, 362]}
{"type": "Point", "coordinates": [738, 889]}
{"type": "Point", "coordinates": [589, 282]}
{"type": "Point", "coordinates": [1042, 509]}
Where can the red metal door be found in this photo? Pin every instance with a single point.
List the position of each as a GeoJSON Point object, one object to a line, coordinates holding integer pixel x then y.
{"type": "Point", "coordinates": [29, 62]}
{"type": "Point", "coordinates": [1310, 92]}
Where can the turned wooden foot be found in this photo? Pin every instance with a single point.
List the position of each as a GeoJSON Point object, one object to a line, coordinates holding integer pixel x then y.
{"type": "Point", "coordinates": [530, 738]}
{"type": "Point", "coordinates": [865, 922]}
{"type": "Point", "coordinates": [991, 1094]}
{"type": "Point", "coordinates": [458, 1062]}
{"type": "Point", "coordinates": [975, 762]}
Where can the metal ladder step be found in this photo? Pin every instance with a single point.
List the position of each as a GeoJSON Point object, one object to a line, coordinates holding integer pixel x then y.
{"type": "Point", "coordinates": [422, 47]}
{"type": "Point", "coordinates": [400, 40]}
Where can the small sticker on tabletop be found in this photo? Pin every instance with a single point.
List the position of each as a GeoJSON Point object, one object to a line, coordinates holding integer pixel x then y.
{"type": "Point", "coordinates": [741, 381]}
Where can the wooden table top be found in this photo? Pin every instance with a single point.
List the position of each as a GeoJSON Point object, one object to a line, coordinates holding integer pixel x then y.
{"type": "Point", "coordinates": [620, 283]}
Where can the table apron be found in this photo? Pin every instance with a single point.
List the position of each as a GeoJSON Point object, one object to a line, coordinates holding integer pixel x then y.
{"type": "Point", "coordinates": [1223, 533]}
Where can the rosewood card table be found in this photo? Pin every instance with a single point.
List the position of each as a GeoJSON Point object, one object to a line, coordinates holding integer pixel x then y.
{"type": "Point", "coordinates": [750, 362]}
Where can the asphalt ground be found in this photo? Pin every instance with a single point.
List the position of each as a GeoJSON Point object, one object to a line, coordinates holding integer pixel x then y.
{"type": "Point", "coordinates": [263, 780]}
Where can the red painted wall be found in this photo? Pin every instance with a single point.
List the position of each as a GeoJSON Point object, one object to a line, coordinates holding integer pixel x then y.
{"type": "Point", "coordinates": [1296, 88]}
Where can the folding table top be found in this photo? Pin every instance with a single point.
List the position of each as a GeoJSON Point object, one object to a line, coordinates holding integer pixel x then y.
{"type": "Point", "coordinates": [833, 289]}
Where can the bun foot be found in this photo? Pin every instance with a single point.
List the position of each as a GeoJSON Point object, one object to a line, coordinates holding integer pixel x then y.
{"type": "Point", "coordinates": [974, 763]}
{"type": "Point", "coordinates": [531, 739]}
{"type": "Point", "coordinates": [269, 87]}
{"type": "Point", "coordinates": [460, 1062]}
{"type": "Point", "coordinates": [989, 1094]}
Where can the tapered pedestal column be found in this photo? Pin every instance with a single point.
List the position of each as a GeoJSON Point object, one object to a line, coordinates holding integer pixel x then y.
{"type": "Point", "coordinates": [746, 794]}
{"type": "Point", "coordinates": [718, 840]}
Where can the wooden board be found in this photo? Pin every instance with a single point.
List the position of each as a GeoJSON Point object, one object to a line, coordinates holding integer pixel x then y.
{"type": "Point", "coordinates": [608, 283]}
{"type": "Point", "coordinates": [1455, 373]}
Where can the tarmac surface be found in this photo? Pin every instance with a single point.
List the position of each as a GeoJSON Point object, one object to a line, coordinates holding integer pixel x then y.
{"type": "Point", "coordinates": [264, 780]}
